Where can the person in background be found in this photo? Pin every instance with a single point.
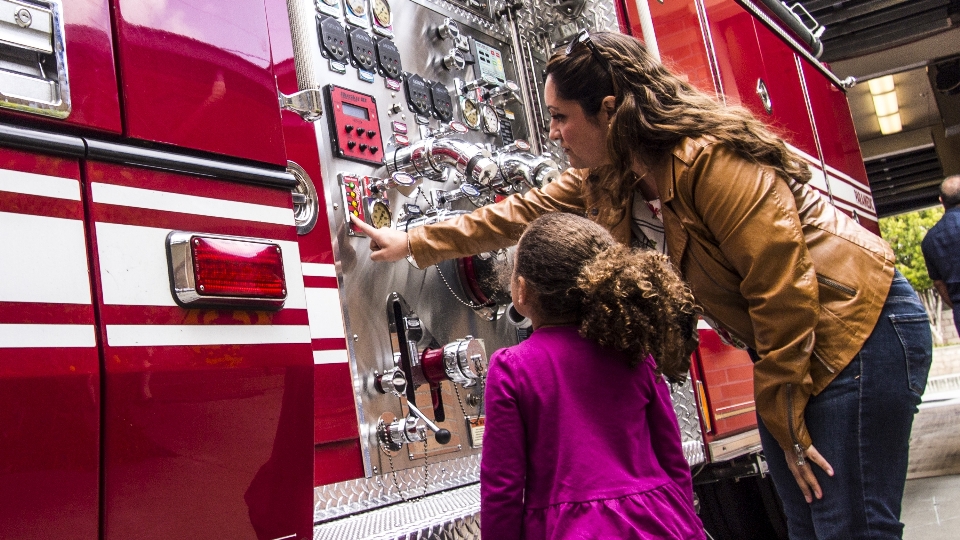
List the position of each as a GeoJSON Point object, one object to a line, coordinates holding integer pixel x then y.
{"type": "Point", "coordinates": [841, 342]}
{"type": "Point", "coordinates": [581, 440]}
{"type": "Point", "coordinates": [941, 248]}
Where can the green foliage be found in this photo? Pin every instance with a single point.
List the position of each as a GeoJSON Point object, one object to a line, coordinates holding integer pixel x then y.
{"type": "Point", "coordinates": [904, 232]}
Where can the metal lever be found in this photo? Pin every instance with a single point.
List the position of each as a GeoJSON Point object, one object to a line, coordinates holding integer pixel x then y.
{"type": "Point", "coordinates": [307, 103]}
{"type": "Point", "coordinates": [395, 434]}
{"type": "Point", "coordinates": [440, 434]}
{"type": "Point", "coordinates": [508, 88]}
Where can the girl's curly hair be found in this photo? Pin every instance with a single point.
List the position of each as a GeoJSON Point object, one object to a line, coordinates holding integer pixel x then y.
{"type": "Point", "coordinates": [629, 300]}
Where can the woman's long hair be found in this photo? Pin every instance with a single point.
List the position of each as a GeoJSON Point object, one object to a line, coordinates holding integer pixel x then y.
{"type": "Point", "coordinates": [655, 110]}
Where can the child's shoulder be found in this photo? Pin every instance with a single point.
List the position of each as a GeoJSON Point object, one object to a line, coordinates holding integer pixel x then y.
{"type": "Point", "coordinates": [543, 344]}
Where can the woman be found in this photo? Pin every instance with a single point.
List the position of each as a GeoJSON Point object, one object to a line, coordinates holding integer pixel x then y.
{"type": "Point", "coordinates": [841, 342]}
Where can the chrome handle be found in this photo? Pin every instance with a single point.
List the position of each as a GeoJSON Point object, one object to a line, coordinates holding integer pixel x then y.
{"type": "Point", "coordinates": [764, 96]}
{"type": "Point", "coordinates": [34, 78]}
{"type": "Point", "coordinates": [307, 103]}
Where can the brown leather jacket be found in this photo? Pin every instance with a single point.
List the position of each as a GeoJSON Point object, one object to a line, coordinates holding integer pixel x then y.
{"type": "Point", "coordinates": [770, 260]}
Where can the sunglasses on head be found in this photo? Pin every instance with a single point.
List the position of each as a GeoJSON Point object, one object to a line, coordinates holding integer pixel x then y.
{"type": "Point", "coordinates": [584, 38]}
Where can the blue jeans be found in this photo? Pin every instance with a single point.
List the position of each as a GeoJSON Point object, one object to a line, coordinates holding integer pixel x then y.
{"type": "Point", "coordinates": [861, 424]}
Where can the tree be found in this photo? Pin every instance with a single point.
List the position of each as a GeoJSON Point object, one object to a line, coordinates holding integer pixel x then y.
{"type": "Point", "coordinates": [904, 232]}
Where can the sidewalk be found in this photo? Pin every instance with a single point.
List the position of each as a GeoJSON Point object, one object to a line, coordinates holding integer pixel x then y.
{"type": "Point", "coordinates": [946, 361]}
{"type": "Point", "coordinates": [931, 500]}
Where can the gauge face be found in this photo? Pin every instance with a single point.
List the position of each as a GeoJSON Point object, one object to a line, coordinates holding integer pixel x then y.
{"type": "Point", "coordinates": [491, 122]}
{"type": "Point", "coordinates": [471, 113]}
{"type": "Point", "coordinates": [380, 216]}
{"type": "Point", "coordinates": [357, 7]}
{"type": "Point", "coordinates": [381, 13]}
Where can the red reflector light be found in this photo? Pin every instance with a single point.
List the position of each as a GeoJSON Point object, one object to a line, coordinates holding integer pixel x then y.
{"type": "Point", "coordinates": [237, 268]}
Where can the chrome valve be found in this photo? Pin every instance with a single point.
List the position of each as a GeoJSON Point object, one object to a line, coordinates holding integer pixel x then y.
{"type": "Point", "coordinates": [517, 168]}
{"type": "Point", "coordinates": [454, 60]}
{"type": "Point", "coordinates": [430, 157]}
{"type": "Point", "coordinates": [392, 381]}
{"type": "Point", "coordinates": [413, 428]}
{"type": "Point", "coordinates": [449, 29]}
{"type": "Point", "coordinates": [461, 360]}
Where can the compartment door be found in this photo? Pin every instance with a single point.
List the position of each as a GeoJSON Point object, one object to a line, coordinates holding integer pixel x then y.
{"type": "Point", "coordinates": [679, 39]}
{"type": "Point", "coordinates": [49, 368]}
{"type": "Point", "coordinates": [207, 411]}
{"type": "Point", "coordinates": [789, 115]}
{"type": "Point", "coordinates": [841, 149]}
{"type": "Point", "coordinates": [58, 63]}
{"type": "Point", "coordinates": [199, 75]}
{"type": "Point", "coordinates": [737, 52]}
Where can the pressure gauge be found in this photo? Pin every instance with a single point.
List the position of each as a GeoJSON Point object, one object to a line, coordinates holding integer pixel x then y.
{"type": "Point", "coordinates": [471, 113]}
{"type": "Point", "coordinates": [490, 119]}
{"type": "Point", "coordinates": [381, 13]}
{"type": "Point", "coordinates": [357, 7]}
{"type": "Point", "coordinates": [380, 215]}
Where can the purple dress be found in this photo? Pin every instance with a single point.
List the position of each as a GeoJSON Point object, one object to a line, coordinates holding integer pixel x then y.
{"type": "Point", "coordinates": [580, 445]}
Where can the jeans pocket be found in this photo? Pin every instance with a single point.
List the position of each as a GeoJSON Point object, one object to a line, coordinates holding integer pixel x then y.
{"type": "Point", "coordinates": [914, 333]}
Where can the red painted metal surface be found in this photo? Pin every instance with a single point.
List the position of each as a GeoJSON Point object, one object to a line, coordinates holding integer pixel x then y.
{"type": "Point", "coordinates": [199, 75]}
{"type": "Point", "coordinates": [91, 69]}
{"type": "Point", "coordinates": [200, 440]}
{"type": "Point", "coordinates": [840, 147]}
{"type": "Point", "coordinates": [338, 454]}
{"type": "Point", "coordinates": [782, 78]}
{"type": "Point", "coordinates": [737, 53]}
{"type": "Point", "coordinates": [338, 462]}
{"type": "Point", "coordinates": [677, 28]}
{"type": "Point", "coordinates": [335, 413]}
{"type": "Point", "coordinates": [727, 377]}
{"type": "Point", "coordinates": [49, 396]}
{"type": "Point", "coordinates": [93, 76]}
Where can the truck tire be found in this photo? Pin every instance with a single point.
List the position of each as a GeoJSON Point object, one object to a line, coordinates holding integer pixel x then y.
{"type": "Point", "coordinates": [742, 509]}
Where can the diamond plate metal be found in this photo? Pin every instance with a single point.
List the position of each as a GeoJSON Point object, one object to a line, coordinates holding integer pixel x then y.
{"type": "Point", "coordinates": [343, 498]}
{"type": "Point", "coordinates": [542, 18]}
{"type": "Point", "coordinates": [452, 515]}
{"type": "Point", "coordinates": [689, 420]}
{"type": "Point", "coordinates": [541, 29]}
{"type": "Point", "coordinates": [488, 25]}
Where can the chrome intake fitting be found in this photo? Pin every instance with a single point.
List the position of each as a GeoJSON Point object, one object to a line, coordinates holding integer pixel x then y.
{"type": "Point", "coordinates": [430, 157]}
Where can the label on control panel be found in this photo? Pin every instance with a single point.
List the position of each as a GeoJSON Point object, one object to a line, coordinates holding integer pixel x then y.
{"type": "Point", "coordinates": [490, 62]}
{"type": "Point", "coordinates": [475, 431]}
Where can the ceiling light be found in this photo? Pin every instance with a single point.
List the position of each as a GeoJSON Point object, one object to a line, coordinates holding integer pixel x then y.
{"type": "Point", "coordinates": [881, 85]}
{"type": "Point", "coordinates": [890, 124]}
{"type": "Point", "coordinates": [886, 104]}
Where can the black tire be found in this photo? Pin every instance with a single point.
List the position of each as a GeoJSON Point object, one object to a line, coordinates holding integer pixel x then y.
{"type": "Point", "coordinates": [742, 509]}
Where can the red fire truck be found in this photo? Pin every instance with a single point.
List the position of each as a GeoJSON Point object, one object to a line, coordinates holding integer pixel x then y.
{"type": "Point", "coordinates": [193, 341]}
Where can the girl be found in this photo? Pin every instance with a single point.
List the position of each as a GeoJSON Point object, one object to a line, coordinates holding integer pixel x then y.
{"type": "Point", "coordinates": [581, 439]}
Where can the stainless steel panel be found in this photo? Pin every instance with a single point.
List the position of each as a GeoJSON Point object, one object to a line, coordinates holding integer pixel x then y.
{"type": "Point", "coordinates": [365, 285]}
{"type": "Point", "coordinates": [435, 294]}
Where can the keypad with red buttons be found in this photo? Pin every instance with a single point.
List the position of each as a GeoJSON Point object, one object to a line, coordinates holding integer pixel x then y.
{"type": "Point", "coordinates": [354, 125]}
